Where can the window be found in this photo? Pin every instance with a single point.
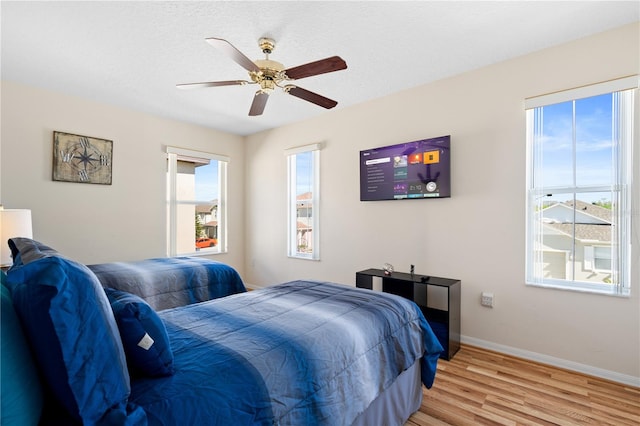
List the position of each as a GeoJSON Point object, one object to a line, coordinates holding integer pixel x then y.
{"type": "Point", "coordinates": [303, 177]}
{"type": "Point", "coordinates": [579, 175]}
{"type": "Point", "coordinates": [196, 193]}
{"type": "Point", "coordinates": [597, 258]}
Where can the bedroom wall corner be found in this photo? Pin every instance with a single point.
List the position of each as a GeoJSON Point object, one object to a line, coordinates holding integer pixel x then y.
{"type": "Point", "coordinates": [104, 223]}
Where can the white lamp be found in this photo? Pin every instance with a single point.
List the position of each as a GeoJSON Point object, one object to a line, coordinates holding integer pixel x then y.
{"type": "Point", "coordinates": [13, 223]}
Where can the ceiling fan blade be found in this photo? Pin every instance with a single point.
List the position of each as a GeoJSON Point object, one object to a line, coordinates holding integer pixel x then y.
{"type": "Point", "coordinates": [307, 95]}
{"type": "Point", "coordinates": [258, 104]}
{"type": "Point", "coordinates": [211, 84]}
{"type": "Point", "coordinates": [233, 53]}
{"type": "Point", "coordinates": [334, 63]}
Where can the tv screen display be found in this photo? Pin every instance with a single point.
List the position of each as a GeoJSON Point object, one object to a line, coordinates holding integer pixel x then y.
{"type": "Point", "coordinates": [412, 170]}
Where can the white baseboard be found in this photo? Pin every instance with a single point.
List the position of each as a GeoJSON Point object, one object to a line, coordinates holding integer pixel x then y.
{"type": "Point", "coordinates": [553, 361]}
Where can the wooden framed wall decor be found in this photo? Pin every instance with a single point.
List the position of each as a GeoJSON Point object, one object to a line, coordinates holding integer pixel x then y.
{"type": "Point", "coordinates": [81, 159]}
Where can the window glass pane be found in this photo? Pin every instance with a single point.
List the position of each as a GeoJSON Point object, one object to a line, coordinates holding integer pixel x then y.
{"type": "Point", "coordinates": [185, 181]}
{"type": "Point", "coordinates": [197, 204]}
{"type": "Point", "coordinates": [195, 220]}
{"type": "Point", "coordinates": [554, 247]}
{"type": "Point", "coordinates": [304, 173]}
{"type": "Point", "coordinates": [555, 146]}
{"type": "Point", "coordinates": [304, 223]}
{"type": "Point", "coordinates": [568, 229]}
{"type": "Point", "coordinates": [594, 147]}
{"type": "Point", "coordinates": [206, 189]}
{"type": "Point", "coordinates": [207, 181]}
{"type": "Point", "coordinates": [185, 227]}
{"type": "Point", "coordinates": [304, 200]}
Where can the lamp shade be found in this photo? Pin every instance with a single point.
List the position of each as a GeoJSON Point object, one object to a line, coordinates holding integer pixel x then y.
{"type": "Point", "coordinates": [13, 223]}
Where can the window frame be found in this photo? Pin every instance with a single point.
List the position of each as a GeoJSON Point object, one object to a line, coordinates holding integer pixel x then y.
{"type": "Point", "coordinates": [173, 155]}
{"type": "Point", "coordinates": [624, 92]}
{"type": "Point", "coordinates": [292, 201]}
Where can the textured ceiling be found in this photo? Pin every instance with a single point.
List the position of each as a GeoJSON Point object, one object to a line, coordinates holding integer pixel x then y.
{"type": "Point", "coordinates": [132, 54]}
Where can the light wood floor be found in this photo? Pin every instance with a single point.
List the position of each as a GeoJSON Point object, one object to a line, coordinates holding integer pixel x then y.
{"type": "Point", "coordinates": [479, 387]}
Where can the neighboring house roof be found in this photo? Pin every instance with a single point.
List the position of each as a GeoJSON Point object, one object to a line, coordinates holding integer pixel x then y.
{"type": "Point", "coordinates": [584, 213]}
{"type": "Point", "coordinates": [585, 233]}
{"type": "Point", "coordinates": [592, 209]}
{"type": "Point", "coordinates": [206, 208]}
{"type": "Point", "coordinates": [203, 208]}
{"type": "Point", "coordinates": [307, 196]}
{"type": "Point", "coordinates": [592, 222]}
{"type": "Point", "coordinates": [211, 223]}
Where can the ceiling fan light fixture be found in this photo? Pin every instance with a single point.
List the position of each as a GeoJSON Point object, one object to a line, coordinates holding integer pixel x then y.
{"type": "Point", "coordinates": [270, 74]}
{"type": "Point", "coordinates": [267, 86]}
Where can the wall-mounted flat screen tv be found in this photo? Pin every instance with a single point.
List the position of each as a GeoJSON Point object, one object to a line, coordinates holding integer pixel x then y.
{"type": "Point", "coordinates": [412, 170]}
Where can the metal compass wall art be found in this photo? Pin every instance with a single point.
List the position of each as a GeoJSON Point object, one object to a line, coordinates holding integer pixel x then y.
{"type": "Point", "coordinates": [81, 159]}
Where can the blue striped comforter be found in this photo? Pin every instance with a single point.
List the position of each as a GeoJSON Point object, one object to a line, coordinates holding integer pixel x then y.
{"type": "Point", "coordinates": [171, 282]}
{"type": "Point", "coordinates": [299, 353]}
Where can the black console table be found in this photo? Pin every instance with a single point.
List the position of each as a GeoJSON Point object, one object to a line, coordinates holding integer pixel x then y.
{"type": "Point", "coordinates": [445, 323]}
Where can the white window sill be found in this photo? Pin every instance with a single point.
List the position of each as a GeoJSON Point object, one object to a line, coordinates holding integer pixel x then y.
{"type": "Point", "coordinates": [302, 257]}
{"type": "Point", "coordinates": [591, 290]}
{"type": "Point", "coordinates": [200, 253]}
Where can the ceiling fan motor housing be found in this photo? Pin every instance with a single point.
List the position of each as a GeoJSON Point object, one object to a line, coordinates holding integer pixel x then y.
{"type": "Point", "coordinates": [270, 74]}
{"type": "Point", "coordinates": [267, 65]}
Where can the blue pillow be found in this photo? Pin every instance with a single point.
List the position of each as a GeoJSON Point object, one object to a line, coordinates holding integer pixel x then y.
{"type": "Point", "coordinates": [73, 334]}
{"type": "Point", "coordinates": [144, 336]}
{"type": "Point", "coordinates": [20, 389]}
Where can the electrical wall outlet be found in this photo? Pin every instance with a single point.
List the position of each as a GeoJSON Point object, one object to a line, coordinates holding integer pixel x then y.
{"type": "Point", "coordinates": [486, 299]}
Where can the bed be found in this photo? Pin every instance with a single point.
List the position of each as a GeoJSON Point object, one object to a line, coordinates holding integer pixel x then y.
{"type": "Point", "coordinates": [297, 353]}
{"type": "Point", "coordinates": [300, 353]}
{"type": "Point", "coordinates": [171, 282]}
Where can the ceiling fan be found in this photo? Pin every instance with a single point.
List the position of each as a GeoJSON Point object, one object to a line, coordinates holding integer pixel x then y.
{"type": "Point", "coordinates": [268, 75]}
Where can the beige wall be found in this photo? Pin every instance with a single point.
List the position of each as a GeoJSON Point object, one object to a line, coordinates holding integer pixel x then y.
{"type": "Point", "coordinates": [478, 234]}
{"type": "Point", "coordinates": [103, 223]}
